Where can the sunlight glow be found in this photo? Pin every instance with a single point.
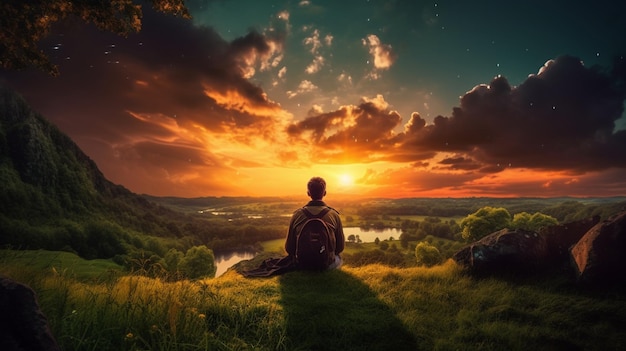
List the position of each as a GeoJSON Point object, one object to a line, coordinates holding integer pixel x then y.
{"type": "Point", "coordinates": [346, 180]}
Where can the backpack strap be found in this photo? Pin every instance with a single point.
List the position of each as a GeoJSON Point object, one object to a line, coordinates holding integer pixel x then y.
{"type": "Point", "coordinates": [319, 215]}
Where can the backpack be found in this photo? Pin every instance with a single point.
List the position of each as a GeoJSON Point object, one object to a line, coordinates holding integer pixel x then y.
{"type": "Point", "coordinates": [313, 242]}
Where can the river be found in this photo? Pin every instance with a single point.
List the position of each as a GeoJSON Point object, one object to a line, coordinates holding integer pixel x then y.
{"type": "Point", "coordinates": [227, 260]}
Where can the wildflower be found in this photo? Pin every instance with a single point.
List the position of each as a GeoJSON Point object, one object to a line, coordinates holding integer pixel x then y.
{"type": "Point", "coordinates": [202, 316]}
{"type": "Point", "coordinates": [129, 336]}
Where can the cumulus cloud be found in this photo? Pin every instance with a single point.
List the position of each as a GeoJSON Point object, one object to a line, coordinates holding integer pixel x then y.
{"type": "Point", "coordinates": [316, 65]}
{"type": "Point", "coordinates": [345, 78]}
{"type": "Point", "coordinates": [284, 15]}
{"type": "Point", "coordinates": [305, 86]}
{"type": "Point", "coordinates": [561, 118]}
{"type": "Point", "coordinates": [315, 43]}
{"type": "Point", "coordinates": [328, 39]}
{"type": "Point", "coordinates": [343, 134]}
{"type": "Point", "coordinates": [280, 76]}
{"type": "Point", "coordinates": [382, 55]}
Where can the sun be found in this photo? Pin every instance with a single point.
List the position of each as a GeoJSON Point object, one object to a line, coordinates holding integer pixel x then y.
{"type": "Point", "coordinates": [346, 180]}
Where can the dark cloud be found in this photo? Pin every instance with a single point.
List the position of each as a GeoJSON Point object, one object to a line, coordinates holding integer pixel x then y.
{"type": "Point", "coordinates": [459, 163]}
{"type": "Point", "coordinates": [561, 118]}
{"type": "Point", "coordinates": [346, 133]}
{"type": "Point", "coordinates": [163, 71]}
{"type": "Point", "coordinates": [149, 98]}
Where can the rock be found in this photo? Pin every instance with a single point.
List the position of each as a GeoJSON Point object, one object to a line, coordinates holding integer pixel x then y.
{"type": "Point", "coordinates": [506, 249]}
{"type": "Point", "coordinates": [560, 238]}
{"type": "Point", "coordinates": [22, 324]}
{"type": "Point", "coordinates": [598, 257]}
{"type": "Point", "coordinates": [521, 250]}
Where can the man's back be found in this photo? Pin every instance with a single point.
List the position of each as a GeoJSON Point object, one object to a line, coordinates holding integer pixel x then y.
{"type": "Point", "coordinates": [331, 218]}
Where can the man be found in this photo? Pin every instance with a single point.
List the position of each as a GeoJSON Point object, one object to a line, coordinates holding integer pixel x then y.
{"type": "Point", "coordinates": [316, 190]}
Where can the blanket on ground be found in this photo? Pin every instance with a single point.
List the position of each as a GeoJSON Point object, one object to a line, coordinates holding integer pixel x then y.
{"type": "Point", "coordinates": [271, 266]}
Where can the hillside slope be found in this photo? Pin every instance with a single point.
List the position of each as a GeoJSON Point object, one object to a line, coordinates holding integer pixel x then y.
{"type": "Point", "coordinates": [53, 196]}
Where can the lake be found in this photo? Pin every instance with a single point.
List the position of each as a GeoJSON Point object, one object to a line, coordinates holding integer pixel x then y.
{"type": "Point", "coordinates": [227, 260]}
{"type": "Point", "coordinates": [369, 236]}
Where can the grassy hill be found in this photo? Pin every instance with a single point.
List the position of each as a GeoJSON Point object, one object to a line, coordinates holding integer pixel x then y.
{"type": "Point", "coordinates": [373, 307]}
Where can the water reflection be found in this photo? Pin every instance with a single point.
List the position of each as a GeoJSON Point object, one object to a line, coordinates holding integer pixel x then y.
{"type": "Point", "coordinates": [224, 261]}
{"type": "Point", "coordinates": [370, 235]}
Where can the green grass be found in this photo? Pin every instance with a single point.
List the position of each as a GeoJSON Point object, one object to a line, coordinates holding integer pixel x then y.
{"type": "Point", "coordinates": [373, 307]}
{"type": "Point", "coordinates": [66, 263]}
{"type": "Point", "coordinates": [274, 246]}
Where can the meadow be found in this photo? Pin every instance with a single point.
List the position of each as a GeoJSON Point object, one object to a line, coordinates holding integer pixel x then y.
{"type": "Point", "coordinates": [94, 306]}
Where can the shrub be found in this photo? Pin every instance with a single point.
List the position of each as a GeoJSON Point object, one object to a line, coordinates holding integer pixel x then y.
{"type": "Point", "coordinates": [198, 262]}
{"type": "Point", "coordinates": [427, 255]}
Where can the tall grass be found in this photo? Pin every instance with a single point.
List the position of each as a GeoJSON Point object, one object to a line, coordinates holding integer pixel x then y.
{"type": "Point", "coordinates": [366, 308]}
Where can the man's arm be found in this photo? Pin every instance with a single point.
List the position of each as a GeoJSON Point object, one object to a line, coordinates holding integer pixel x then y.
{"type": "Point", "coordinates": [290, 243]}
{"type": "Point", "coordinates": [339, 237]}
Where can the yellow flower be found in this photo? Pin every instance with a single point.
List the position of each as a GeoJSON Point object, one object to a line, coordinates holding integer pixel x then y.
{"type": "Point", "coordinates": [129, 336]}
{"type": "Point", "coordinates": [202, 316]}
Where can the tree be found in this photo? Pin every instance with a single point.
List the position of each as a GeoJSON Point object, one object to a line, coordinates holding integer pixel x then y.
{"type": "Point", "coordinates": [427, 255]}
{"type": "Point", "coordinates": [172, 259]}
{"type": "Point", "coordinates": [485, 221]}
{"type": "Point", "coordinates": [198, 262]}
{"type": "Point", "coordinates": [25, 23]}
{"type": "Point", "coordinates": [351, 238]}
{"type": "Point", "coordinates": [534, 222]}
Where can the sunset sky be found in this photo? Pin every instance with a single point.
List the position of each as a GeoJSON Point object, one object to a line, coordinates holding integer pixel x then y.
{"type": "Point", "coordinates": [382, 98]}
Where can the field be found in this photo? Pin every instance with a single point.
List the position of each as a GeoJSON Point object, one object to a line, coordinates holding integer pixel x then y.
{"type": "Point", "coordinates": [90, 306]}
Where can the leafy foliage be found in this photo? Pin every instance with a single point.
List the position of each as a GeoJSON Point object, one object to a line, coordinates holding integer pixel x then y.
{"type": "Point", "coordinates": [427, 255]}
{"type": "Point", "coordinates": [534, 222]}
{"type": "Point", "coordinates": [485, 221]}
{"type": "Point", "coordinates": [25, 23]}
{"type": "Point", "coordinates": [198, 262]}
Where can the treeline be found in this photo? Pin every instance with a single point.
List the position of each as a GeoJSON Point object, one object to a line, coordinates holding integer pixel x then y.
{"type": "Point", "coordinates": [563, 209]}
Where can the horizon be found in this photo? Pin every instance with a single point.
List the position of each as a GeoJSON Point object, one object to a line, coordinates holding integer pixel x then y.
{"type": "Point", "coordinates": [397, 100]}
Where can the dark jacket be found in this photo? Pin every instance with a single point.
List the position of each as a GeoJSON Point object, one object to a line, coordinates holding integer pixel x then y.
{"type": "Point", "coordinates": [331, 218]}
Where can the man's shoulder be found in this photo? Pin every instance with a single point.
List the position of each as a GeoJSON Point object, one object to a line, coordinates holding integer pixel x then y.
{"type": "Point", "coordinates": [316, 208]}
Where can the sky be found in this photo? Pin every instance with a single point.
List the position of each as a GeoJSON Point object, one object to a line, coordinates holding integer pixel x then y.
{"type": "Point", "coordinates": [385, 98]}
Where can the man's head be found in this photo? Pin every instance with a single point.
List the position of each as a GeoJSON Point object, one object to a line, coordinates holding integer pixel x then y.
{"type": "Point", "coordinates": [316, 188]}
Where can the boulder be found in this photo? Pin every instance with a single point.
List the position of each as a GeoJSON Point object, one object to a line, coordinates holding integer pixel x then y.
{"type": "Point", "coordinates": [22, 324]}
{"type": "Point", "coordinates": [560, 238]}
{"type": "Point", "coordinates": [504, 250]}
{"type": "Point", "coordinates": [599, 256]}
